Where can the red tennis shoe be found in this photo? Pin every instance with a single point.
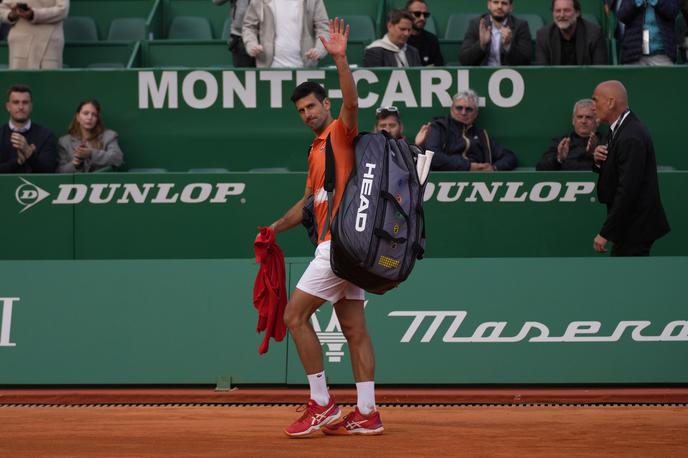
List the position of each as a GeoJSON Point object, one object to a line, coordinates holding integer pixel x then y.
{"type": "Point", "coordinates": [356, 423]}
{"type": "Point", "coordinates": [314, 418]}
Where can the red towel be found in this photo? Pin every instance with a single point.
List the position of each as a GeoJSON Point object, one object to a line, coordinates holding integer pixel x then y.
{"type": "Point", "coordinates": [270, 288]}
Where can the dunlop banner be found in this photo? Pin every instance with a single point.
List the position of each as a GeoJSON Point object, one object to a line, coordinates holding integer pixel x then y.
{"type": "Point", "coordinates": [185, 215]}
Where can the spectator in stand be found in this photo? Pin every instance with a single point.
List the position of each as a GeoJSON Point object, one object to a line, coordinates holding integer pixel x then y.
{"type": "Point", "coordinates": [570, 39]}
{"type": "Point", "coordinates": [271, 29]}
{"type": "Point", "coordinates": [497, 38]}
{"type": "Point", "coordinates": [88, 146]}
{"type": "Point", "coordinates": [36, 39]}
{"type": "Point", "coordinates": [392, 50]}
{"type": "Point", "coordinates": [574, 151]}
{"type": "Point", "coordinates": [25, 147]}
{"type": "Point", "coordinates": [459, 144]}
{"type": "Point", "coordinates": [389, 120]}
{"type": "Point", "coordinates": [684, 11]}
{"type": "Point", "coordinates": [426, 43]}
{"type": "Point", "coordinates": [240, 57]}
{"type": "Point", "coordinates": [649, 34]}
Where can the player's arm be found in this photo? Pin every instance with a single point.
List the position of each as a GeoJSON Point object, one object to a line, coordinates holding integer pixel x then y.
{"type": "Point", "coordinates": [336, 47]}
{"type": "Point", "coordinates": [294, 215]}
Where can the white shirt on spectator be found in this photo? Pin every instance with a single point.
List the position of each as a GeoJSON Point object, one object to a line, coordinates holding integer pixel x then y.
{"type": "Point", "coordinates": [495, 59]}
{"type": "Point", "coordinates": [288, 18]}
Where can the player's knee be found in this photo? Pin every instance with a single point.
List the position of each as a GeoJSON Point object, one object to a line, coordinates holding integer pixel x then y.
{"type": "Point", "coordinates": [293, 319]}
{"type": "Point", "coordinates": [355, 333]}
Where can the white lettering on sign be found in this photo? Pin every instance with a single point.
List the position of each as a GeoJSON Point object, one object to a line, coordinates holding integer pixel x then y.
{"type": "Point", "coordinates": [6, 305]}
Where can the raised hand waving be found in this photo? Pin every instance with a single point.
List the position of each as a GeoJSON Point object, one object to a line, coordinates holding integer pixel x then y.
{"type": "Point", "coordinates": [339, 36]}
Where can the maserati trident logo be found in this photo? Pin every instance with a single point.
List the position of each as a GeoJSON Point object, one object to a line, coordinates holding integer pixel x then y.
{"type": "Point", "coordinates": [331, 336]}
{"type": "Point", "coordinates": [28, 195]}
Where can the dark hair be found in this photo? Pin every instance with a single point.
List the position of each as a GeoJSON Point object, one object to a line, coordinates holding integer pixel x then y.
{"type": "Point", "coordinates": [576, 5]}
{"type": "Point", "coordinates": [307, 88]}
{"type": "Point", "coordinates": [395, 16]}
{"type": "Point", "coordinates": [19, 88]}
{"type": "Point", "coordinates": [98, 129]}
{"type": "Point", "coordinates": [411, 2]}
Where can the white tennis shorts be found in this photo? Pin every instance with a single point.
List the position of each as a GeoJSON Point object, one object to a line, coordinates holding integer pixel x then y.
{"type": "Point", "coordinates": [319, 280]}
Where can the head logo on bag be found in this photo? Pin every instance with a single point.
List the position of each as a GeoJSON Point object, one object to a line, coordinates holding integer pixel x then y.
{"type": "Point", "coordinates": [366, 188]}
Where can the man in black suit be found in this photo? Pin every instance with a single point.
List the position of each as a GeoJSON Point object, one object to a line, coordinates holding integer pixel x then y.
{"type": "Point", "coordinates": [497, 38]}
{"type": "Point", "coordinates": [628, 182]}
{"type": "Point", "coordinates": [392, 50]}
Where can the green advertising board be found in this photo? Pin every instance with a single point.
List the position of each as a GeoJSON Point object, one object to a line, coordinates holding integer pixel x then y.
{"type": "Point", "coordinates": [487, 321]}
{"type": "Point", "coordinates": [240, 120]}
{"type": "Point", "coordinates": [216, 215]}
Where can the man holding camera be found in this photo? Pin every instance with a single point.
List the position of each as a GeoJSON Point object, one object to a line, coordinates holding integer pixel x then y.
{"type": "Point", "coordinates": [37, 37]}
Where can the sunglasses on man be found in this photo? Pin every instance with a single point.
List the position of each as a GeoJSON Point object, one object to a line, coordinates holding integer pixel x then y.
{"type": "Point", "coordinates": [389, 109]}
{"type": "Point", "coordinates": [425, 14]}
{"type": "Point", "coordinates": [461, 108]}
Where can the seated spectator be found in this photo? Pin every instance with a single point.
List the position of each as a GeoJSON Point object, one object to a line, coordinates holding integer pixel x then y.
{"type": "Point", "coordinates": [392, 50]}
{"type": "Point", "coordinates": [570, 39]}
{"type": "Point", "coordinates": [240, 57]}
{"type": "Point", "coordinates": [389, 120]}
{"type": "Point", "coordinates": [88, 146]}
{"type": "Point", "coordinates": [684, 11]}
{"type": "Point", "coordinates": [497, 38]}
{"type": "Point", "coordinates": [649, 35]}
{"type": "Point", "coordinates": [426, 43]}
{"type": "Point", "coordinates": [574, 151]}
{"type": "Point", "coordinates": [25, 147]}
{"type": "Point", "coordinates": [459, 144]}
{"type": "Point", "coordinates": [36, 39]}
{"type": "Point", "coordinates": [270, 31]}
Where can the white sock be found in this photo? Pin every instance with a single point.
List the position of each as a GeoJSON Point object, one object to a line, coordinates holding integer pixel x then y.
{"type": "Point", "coordinates": [318, 385]}
{"type": "Point", "coordinates": [366, 397]}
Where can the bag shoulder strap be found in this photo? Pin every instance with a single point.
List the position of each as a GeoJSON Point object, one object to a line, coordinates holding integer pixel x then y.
{"type": "Point", "coordinates": [329, 184]}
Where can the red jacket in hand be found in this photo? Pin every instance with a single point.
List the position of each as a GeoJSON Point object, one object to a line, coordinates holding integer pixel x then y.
{"type": "Point", "coordinates": [270, 288]}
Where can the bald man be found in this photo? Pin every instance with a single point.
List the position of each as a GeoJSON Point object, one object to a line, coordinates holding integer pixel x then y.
{"type": "Point", "coordinates": [627, 181]}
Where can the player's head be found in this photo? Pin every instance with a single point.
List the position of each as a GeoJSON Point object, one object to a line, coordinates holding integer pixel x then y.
{"type": "Point", "coordinates": [313, 105]}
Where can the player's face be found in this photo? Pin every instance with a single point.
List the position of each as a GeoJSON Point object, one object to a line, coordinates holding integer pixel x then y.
{"type": "Point", "coordinates": [391, 125]}
{"type": "Point", "coordinates": [584, 121]}
{"type": "Point", "coordinates": [399, 33]}
{"type": "Point", "coordinates": [19, 106]}
{"type": "Point", "coordinates": [499, 9]}
{"type": "Point", "coordinates": [313, 112]}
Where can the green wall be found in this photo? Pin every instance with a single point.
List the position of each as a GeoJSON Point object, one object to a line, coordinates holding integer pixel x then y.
{"type": "Point", "coordinates": [191, 321]}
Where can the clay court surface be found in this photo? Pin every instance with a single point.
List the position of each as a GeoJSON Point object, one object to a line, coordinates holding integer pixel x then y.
{"type": "Point", "coordinates": [222, 430]}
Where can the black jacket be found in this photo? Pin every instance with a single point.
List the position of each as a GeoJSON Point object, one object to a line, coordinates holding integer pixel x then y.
{"type": "Point", "coordinates": [520, 52]}
{"type": "Point", "coordinates": [633, 18]}
{"type": "Point", "coordinates": [591, 46]}
{"type": "Point", "coordinates": [428, 47]}
{"type": "Point", "coordinates": [43, 160]}
{"type": "Point", "coordinates": [455, 147]}
{"type": "Point", "coordinates": [381, 57]}
{"type": "Point", "coordinates": [628, 185]}
{"type": "Point", "coordinates": [577, 159]}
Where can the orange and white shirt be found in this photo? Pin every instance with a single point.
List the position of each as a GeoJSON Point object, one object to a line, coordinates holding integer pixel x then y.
{"type": "Point", "coordinates": [342, 145]}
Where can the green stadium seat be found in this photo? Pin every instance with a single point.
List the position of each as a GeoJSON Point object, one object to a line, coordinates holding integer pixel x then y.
{"type": "Point", "coordinates": [457, 25]}
{"type": "Point", "coordinates": [226, 28]}
{"type": "Point", "coordinates": [591, 18]}
{"type": "Point", "coordinates": [535, 23]}
{"type": "Point", "coordinates": [208, 170]}
{"type": "Point", "coordinates": [147, 170]}
{"type": "Point", "coordinates": [127, 29]}
{"type": "Point", "coordinates": [431, 25]}
{"type": "Point", "coordinates": [190, 28]}
{"type": "Point", "coordinates": [80, 28]}
{"type": "Point", "coordinates": [362, 27]}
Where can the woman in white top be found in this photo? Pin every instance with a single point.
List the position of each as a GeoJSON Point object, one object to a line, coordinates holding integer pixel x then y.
{"type": "Point", "coordinates": [88, 146]}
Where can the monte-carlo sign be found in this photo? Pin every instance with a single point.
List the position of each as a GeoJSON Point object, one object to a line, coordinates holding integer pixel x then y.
{"type": "Point", "coordinates": [172, 89]}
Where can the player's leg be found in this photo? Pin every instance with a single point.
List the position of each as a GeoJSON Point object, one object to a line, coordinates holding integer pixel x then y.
{"type": "Point", "coordinates": [365, 419]}
{"type": "Point", "coordinates": [297, 316]}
